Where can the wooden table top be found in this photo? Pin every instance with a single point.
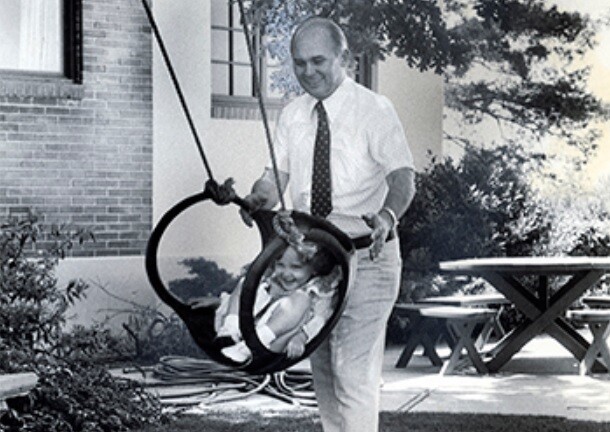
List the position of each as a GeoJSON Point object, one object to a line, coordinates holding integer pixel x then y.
{"type": "Point", "coordinates": [467, 300]}
{"type": "Point", "coordinates": [526, 265]}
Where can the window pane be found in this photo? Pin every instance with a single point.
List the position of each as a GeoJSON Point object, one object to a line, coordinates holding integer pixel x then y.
{"type": "Point", "coordinates": [220, 79]}
{"type": "Point", "coordinates": [220, 13]}
{"type": "Point", "coordinates": [240, 49]}
{"type": "Point", "coordinates": [31, 35]}
{"type": "Point", "coordinates": [243, 81]}
{"type": "Point", "coordinates": [220, 45]}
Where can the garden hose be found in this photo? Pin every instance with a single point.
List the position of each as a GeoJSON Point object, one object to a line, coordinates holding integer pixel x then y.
{"type": "Point", "coordinates": [220, 384]}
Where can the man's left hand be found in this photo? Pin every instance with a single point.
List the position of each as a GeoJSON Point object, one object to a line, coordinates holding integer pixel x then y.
{"type": "Point", "coordinates": [381, 229]}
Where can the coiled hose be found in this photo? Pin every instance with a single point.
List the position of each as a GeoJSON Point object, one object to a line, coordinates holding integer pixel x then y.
{"type": "Point", "coordinates": [210, 383]}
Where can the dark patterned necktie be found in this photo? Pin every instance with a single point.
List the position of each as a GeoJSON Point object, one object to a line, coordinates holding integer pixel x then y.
{"type": "Point", "coordinates": [321, 204]}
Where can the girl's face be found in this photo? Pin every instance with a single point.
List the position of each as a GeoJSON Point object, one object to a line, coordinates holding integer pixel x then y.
{"type": "Point", "coordinates": [291, 271]}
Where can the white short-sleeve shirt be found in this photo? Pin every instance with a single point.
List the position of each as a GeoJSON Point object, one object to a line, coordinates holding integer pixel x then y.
{"type": "Point", "coordinates": [367, 143]}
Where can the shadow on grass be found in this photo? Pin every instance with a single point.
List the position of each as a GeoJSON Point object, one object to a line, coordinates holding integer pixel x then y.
{"type": "Point", "coordinates": [246, 421]}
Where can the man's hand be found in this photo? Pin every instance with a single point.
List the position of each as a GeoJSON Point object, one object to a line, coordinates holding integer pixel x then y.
{"type": "Point", "coordinates": [255, 202]}
{"type": "Point", "coordinates": [381, 226]}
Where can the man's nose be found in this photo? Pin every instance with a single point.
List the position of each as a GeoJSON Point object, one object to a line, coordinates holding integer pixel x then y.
{"type": "Point", "coordinates": [309, 69]}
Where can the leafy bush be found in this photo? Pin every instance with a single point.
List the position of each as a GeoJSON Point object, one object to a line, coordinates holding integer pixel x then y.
{"type": "Point", "coordinates": [73, 393]}
{"type": "Point", "coordinates": [151, 334]}
{"type": "Point", "coordinates": [481, 206]}
{"type": "Point", "coordinates": [486, 206]}
{"type": "Point", "coordinates": [32, 306]}
{"type": "Point", "coordinates": [81, 397]}
{"type": "Point", "coordinates": [208, 280]}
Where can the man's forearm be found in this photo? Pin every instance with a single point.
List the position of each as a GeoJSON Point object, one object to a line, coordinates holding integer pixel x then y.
{"type": "Point", "coordinates": [401, 184]}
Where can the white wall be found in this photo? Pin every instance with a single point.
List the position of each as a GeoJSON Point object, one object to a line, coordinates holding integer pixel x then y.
{"type": "Point", "coordinates": [234, 148]}
{"type": "Point", "coordinates": [418, 98]}
{"type": "Point", "coordinates": [123, 277]}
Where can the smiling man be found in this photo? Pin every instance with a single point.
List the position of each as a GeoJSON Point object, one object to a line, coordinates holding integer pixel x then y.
{"type": "Point", "coordinates": [343, 151]}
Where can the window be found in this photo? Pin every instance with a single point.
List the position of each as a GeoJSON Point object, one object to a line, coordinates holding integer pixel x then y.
{"type": "Point", "coordinates": [41, 37]}
{"type": "Point", "coordinates": [233, 93]}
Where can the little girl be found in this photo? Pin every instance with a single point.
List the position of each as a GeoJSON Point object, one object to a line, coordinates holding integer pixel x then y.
{"type": "Point", "coordinates": [291, 305]}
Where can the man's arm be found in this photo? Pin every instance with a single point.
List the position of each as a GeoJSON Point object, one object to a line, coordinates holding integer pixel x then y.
{"type": "Point", "coordinates": [401, 184]}
{"type": "Point", "coordinates": [264, 193]}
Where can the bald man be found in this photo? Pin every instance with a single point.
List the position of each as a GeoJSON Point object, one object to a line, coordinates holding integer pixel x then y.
{"type": "Point", "coordinates": [343, 152]}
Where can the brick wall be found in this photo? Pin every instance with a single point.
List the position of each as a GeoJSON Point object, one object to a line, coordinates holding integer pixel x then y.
{"type": "Point", "coordinates": [82, 154]}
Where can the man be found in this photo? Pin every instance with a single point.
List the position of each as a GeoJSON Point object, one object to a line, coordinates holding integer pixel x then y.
{"type": "Point", "coordinates": [343, 151]}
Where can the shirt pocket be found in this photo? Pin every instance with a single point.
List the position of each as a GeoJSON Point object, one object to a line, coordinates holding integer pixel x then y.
{"type": "Point", "coordinates": [351, 163]}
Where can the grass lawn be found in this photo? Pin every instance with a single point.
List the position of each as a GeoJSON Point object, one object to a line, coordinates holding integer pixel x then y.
{"type": "Point", "coordinates": [390, 422]}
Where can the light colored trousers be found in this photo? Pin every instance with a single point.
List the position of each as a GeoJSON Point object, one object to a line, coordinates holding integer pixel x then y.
{"type": "Point", "coordinates": [347, 366]}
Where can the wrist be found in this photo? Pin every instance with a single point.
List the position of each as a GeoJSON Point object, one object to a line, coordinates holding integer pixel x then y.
{"type": "Point", "coordinates": [388, 215]}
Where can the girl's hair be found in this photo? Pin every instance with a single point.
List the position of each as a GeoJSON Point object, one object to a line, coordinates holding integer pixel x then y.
{"type": "Point", "coordinates": [322, 262]}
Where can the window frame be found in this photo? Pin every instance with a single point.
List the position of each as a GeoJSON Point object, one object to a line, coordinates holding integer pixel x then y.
{"type": "Point", "coordinates": [235, 106]}
{"type": "Point", "coordinates": [72, 52]}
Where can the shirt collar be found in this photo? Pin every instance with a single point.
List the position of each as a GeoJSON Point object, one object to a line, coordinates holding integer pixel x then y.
{"type": "Point", "coordinates": [334, 102]}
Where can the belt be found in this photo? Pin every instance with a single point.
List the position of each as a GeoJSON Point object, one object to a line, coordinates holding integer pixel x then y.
{"type": "Point", "coordinates": [365, 241]}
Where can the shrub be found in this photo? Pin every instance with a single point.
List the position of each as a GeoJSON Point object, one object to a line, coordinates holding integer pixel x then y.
{"type": "Point", "coordinates": [482, 206]}
{"type": "Point", "coordinates": [32, 306]}
{"type": "Point", "coordinates": [208, 279]}
{"type": "Point", "coordinates": [73, 393]}
{"type": "Point", "coordinates": [81, 396]}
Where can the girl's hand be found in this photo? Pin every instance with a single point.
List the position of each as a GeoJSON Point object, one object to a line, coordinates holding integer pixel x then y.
{"type": "Point", "coordinates": [296, 346]}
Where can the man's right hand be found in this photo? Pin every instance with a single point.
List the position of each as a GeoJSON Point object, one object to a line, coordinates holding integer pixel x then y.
{"type": "Point", "coordinates": [254, 202]}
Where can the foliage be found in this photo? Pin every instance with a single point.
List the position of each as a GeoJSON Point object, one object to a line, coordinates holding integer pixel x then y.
{"type": "Point", "coordinates": [32, 306]}
{"type": "Point", "coordinates": [73, 393]}
{"type": "Point", "coordinates": [481, 206]}
{"type": "Point", "coordinates": [208, 279]}
{"type": "Point", "coordinates": [152, 334]}
{"type": "Point", "coordinates": [485, 205]}
{"type": "Point", "coordinates": [509, 61]}
{"type": "Point", "coordinates": [80, 396]}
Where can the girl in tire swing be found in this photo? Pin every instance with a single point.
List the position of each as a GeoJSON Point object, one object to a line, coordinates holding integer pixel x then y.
{"type": "Point", "coordinates": [293, 302]}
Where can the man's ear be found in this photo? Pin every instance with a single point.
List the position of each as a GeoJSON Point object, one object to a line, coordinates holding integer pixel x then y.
{"type": "Point", "coordinates": [345, 58]}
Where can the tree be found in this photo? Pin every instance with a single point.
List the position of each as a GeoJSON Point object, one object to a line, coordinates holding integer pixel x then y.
{"type": "Point", "coordinates": [207, 279]}
{"type": "Point", "coordinates": [508, 61]}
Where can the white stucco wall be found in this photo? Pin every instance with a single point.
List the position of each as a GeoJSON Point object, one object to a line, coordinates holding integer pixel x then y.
{"type": "Point", "coordinates": [418, 99]}
{"type": "Point", "coordinates": [113, 282]}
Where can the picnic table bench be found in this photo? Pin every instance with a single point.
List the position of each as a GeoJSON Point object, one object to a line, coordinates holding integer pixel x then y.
{"type": "Point", "coordinates": [464, 322]}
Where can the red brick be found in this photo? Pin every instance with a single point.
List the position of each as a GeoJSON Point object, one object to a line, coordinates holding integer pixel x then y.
{"type": "Point", "coordinates": [74, 152]}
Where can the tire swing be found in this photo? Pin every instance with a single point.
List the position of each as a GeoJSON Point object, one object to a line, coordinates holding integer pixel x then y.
{"type": "Point", "coordinates": [199, 318]}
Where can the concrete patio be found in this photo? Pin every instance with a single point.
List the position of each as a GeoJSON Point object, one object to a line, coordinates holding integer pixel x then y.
{"type": "Point", "coordinates": [542, 379]}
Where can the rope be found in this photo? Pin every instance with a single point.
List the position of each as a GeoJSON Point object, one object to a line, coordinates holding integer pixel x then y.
{"type": "Point", "coordinates": [261, 103]}
{"type": "Point", "coordinates": [219, 384]}
{"type": "Point", "coordinates": [176, 84]}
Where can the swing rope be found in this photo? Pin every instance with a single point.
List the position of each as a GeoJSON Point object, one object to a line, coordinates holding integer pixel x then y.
{"type": "Point", "coordinates": [176, 84]}
{"type": "Point", "coordinates": [256, 87]}
{"type": "Point", "coordinates": [261, 103]}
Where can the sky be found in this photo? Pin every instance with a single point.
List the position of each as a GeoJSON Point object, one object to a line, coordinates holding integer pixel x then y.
{"type": "Point", "coordinates": [599, 83]}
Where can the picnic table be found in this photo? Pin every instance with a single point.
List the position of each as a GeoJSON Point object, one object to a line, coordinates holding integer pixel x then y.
{"type": "Point", "coordinates": [543, 308]}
